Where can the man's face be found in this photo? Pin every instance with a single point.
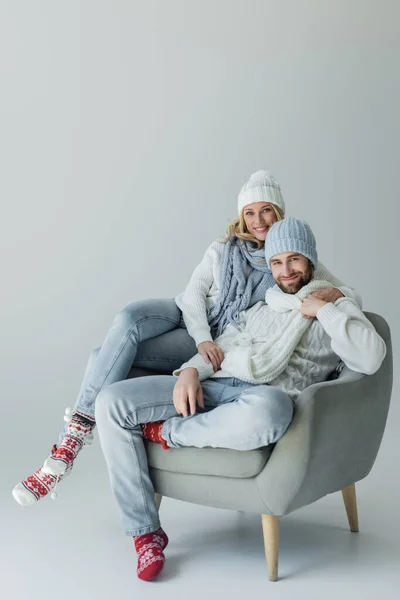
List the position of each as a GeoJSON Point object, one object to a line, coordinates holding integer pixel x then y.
{"type": "Point", "coordinates": [291, 271]}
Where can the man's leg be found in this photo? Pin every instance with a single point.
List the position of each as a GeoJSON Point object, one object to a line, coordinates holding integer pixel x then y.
{"type": "Point", "coordinates": [243, 419]}
{"type": "Point", "coordinates": [135, 324]}
{"type": "Point", "coordinates": [120, 410]}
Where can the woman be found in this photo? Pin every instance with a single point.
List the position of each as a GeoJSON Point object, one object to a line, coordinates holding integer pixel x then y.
{"type": "Point", "coordinates": [162, 334]}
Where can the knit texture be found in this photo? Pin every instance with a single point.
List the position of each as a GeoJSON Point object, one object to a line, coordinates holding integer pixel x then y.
{"type": "Point", "coordinates": [203, 290]}
{"type": "Point", "coordinates": [277, 332]}
{"type": "Point", "coordinates": [341, 331]}
{"type": "Point", "coordinates": [291, 235]}
{"type": "Point", "coordinates": [261, 187]}
{"type": "Point", "coordinates": [240, 288]}
{"type": "Point", "coordinates": [79, 432]}
{"type": "Point", "coordinates": [38, 485]}
{"type": "Point", "coordinates": [152, 432]}
{"type": "Point", "coordinates": [151, 559]}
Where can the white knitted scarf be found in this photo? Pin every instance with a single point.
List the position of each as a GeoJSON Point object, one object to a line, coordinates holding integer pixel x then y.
{"type": "Point", "coordinates": [263, 350]}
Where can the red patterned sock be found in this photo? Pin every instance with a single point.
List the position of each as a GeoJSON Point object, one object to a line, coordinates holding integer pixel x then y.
{"type": "Point", "coordinates": [38, 485]}
{"type": "Point", "coordinates": [78, 434]}
{"type": "Point", "coordinates": [151, 557]}
{"type": "Point", "coordinates": [152, 432]}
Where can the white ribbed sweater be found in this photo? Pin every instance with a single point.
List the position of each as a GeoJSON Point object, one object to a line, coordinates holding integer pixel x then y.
{"type": "Point", "coordinates": [202, 292]}
{"type": "Point", "coordinates": [340, 331]}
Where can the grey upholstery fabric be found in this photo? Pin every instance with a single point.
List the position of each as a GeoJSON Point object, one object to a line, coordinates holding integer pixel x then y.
{"type": "Point", "coordinates": [332, 442]}
{"type": "Point", "coordinates": [208, 461]}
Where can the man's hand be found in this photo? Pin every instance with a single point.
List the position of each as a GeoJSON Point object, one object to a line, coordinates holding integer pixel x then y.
{"type": "Point", "coordinates": [310, 306]}
{"type": "Point", "coordinates": [327, 294]}
{"type": "Point", "coordinates": [211, 353]}
{"type": "Point", "coordinates": [187, 390]}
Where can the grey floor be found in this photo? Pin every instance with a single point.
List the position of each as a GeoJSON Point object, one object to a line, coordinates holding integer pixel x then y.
{"type": "Point", "coordinates": [73, 547]}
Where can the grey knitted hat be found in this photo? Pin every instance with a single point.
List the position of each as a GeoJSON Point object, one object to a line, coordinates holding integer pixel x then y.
{"type": "Point", "coordinates": [291, 235]}
{"type": "Point", "coordinates": [261, 187]}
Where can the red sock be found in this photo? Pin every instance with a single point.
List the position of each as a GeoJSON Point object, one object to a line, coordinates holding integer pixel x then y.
{"type": "Point", "coordinates": [152, 432]}
{"type": "Point", "coordinates": [151, 557]}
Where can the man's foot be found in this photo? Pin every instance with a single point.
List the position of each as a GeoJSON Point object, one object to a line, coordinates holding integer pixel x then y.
{"type": "Point", "coordinates": [152, 432]}
{"type": "Point", "coordinates": [151, 557]}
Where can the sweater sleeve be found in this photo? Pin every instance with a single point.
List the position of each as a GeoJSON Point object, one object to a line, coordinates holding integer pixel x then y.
{"type": "Point", "coordinates": [353, 338]}
{"type": "Point", "coordinates": [193, 302]}
{"type": "Point", "coordinates": [197, 362]}
{"type": "Point", "coordinates": [323, 273]}
{"type": "Point", "coordinates": [224, 341]}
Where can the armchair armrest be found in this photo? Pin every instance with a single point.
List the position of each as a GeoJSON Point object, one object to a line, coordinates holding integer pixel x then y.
{"type": "Point", "coordinates": [332, 441]}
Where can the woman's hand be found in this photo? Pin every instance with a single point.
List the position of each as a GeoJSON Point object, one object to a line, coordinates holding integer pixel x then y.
{"type": "Point", "coordinates": [211, 353]}
{"type": "Point", "coordinates": [310, 306]}
{"type": "Point", "coordinates": [187, 390]}
{"type": "Point", "coordinates": [327, 294]}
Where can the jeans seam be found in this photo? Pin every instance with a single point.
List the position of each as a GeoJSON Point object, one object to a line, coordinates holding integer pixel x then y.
{"type": "Point", "coordinates": [153, 358]}
{"type": "Point", "coordinates": [144, 499]}
{"type": "Point", "coordinates": [141, 407]}
{"type": "Point", "coordinates": [128, 429]}
{"type": "Point", "coordinates": [143, 530]}
{"type": "Point", "coordinates": [160, 318]}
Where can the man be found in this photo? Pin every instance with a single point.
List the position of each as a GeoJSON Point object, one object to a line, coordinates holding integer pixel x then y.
{"type": "Point", "coordinates": [282, 346]}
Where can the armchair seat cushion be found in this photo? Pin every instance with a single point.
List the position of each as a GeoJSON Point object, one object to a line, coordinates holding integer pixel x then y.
{"type": "Point", "coordinates": [220, 462]}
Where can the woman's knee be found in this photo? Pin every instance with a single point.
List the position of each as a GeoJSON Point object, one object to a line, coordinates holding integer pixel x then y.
{"type": "Point", "coordinates": [136, 312]}
{"type": "Point", "coordinates": [130, 314]}
{"type": "Point", "coordinates": [94, 354]}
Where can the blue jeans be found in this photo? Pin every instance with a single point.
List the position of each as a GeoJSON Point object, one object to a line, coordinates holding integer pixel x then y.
{"type": "Point", "coordinates": [149, 334]}
{"type": "Point", "coordinates": [236, 415]}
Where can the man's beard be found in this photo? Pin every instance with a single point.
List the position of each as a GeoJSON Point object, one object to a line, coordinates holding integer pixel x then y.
{"type": "Point", "coordinates": [293, 288]}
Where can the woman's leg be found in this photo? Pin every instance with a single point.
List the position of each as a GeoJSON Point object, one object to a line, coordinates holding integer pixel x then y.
{"type": "Point", "coordinates": [90, 364]}
{"type": "Point", "coordinates": [166, 352]}
{"type": "Point", "coordinates": [163, 353]}
{"type": "Point", "coordinates": [135, 324]}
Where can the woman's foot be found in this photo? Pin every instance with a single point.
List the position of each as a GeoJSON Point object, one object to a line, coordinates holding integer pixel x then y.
{"type": "Point", "coordinates": [79, 433]}
{"type": "Point", "coordinates": [151, 557]}
{"type": "Point", "coordinates": [38, 485]}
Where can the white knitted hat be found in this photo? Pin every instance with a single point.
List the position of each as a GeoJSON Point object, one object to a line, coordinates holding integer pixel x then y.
{"type": "Point", "coordinates": [261, 187]}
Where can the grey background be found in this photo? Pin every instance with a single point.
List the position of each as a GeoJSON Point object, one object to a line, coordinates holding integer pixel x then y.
{"type": "Point", "coordinates": [126, 130]}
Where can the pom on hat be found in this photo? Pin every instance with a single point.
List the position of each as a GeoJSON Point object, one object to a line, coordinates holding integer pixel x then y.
{"type": "Point", "coordinates": [261, 187]}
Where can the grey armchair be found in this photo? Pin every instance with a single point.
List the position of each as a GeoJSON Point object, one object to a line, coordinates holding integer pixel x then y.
{"type": "Point", "coordinates": [331, 443]}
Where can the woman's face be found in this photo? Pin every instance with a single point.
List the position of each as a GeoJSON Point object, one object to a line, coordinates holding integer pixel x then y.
{"type": "Point", "coordinates": [259, 217]}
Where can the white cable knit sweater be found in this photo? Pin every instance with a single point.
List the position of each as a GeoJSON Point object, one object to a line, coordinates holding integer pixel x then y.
{"type": "Point", "coordinates": [203, 288]}
{"type": "Point", "coordinates": [340, 331]}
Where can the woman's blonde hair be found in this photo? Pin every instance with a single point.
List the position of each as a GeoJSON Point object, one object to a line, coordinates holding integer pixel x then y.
{"type": "Point", "coordinates": [238, 228]}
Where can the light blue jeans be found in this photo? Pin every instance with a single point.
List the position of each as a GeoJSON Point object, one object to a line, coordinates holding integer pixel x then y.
{"type": "Point", "coordinates": [149, 334]}
{"type": "Point", "coordinates": [236, 415]}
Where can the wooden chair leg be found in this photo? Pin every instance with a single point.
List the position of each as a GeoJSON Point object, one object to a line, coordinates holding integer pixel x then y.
{"type": "Point", "coordinates": [350, 503]}
{"type": "Point", "coordinates": [157, 500]}
{"type": "Point", "coordinates": [270, 525]}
